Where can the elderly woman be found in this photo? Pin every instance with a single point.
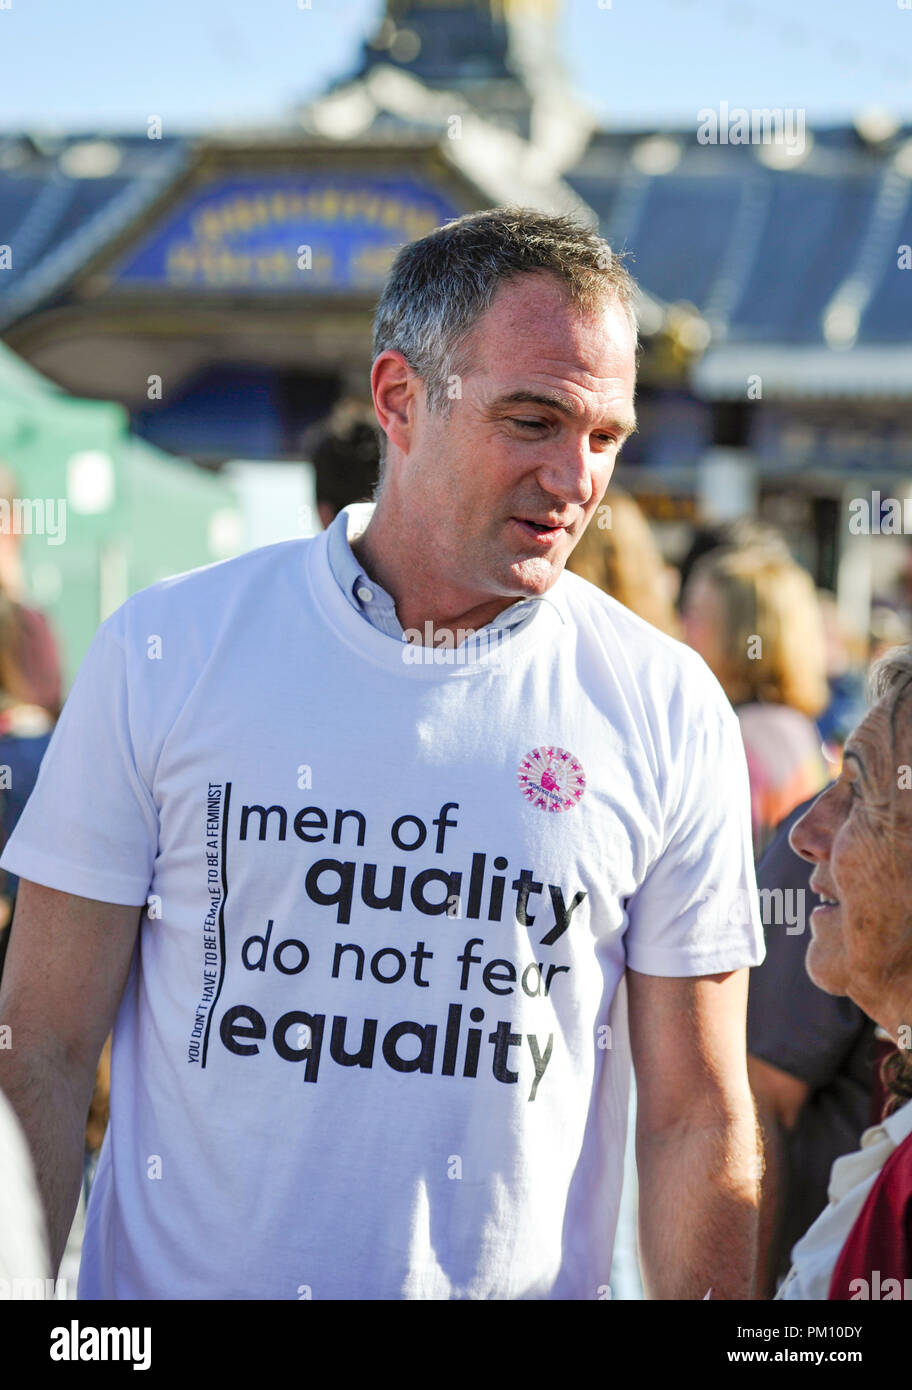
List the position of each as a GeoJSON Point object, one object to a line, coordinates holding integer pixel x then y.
{"type": "Point", "coordinates": [858, 834]}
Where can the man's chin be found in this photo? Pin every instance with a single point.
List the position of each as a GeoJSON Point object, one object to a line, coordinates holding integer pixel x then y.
{"type": "Point", "coordinates": [534, 575]}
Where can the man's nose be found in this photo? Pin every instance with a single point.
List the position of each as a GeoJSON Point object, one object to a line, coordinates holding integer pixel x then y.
{"type": "Point", "coordinates": [567, 472]}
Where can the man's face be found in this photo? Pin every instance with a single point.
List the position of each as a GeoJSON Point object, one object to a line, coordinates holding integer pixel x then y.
{"type": "Point", "coordinates": [858, 833]}
{"type": "Point", "coordinates": [501, 491]}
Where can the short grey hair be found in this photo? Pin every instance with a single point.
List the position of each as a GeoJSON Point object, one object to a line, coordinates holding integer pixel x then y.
{"type": "Point", "coordinates": [441, 284]}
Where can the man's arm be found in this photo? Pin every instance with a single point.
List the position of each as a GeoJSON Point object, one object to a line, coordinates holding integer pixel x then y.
{"type": "Point", "coordinates": [65, 972]}
{"type": "Point", "coordinates": [779, 1099]}
{"type": "Point", "coordinates": [698, 1156]}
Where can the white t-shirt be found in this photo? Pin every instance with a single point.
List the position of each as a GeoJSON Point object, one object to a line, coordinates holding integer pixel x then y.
{"type": "Point", "coordinates": [372, 1043]}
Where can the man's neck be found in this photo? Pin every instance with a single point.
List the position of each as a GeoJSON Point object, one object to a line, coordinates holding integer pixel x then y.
{"type": "Point", "coordinates": [419, 597]}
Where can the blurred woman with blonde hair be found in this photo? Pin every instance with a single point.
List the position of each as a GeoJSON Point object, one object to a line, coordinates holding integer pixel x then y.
{"type": "Point", "coordinates": [754, 617]}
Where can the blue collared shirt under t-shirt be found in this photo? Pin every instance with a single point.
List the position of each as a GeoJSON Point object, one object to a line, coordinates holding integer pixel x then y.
{"type": "Point", "coordinates": [373, 602]}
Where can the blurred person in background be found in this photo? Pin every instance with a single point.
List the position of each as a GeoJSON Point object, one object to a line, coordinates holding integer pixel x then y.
{"type": "Point", "coordinates": [740, 533]}
{"type": "Point", "coordinates": [618, 553]}
{"type": "Point", "coordinates": [345, 453]}
{"type": "Point", "coordinates": [846, 660]}
{"type": "Point", "coordinates": [888, 628]}
{"type": "Point", "coordinates": [25, 731]}
{"type": "Point", "coordinates": [753, 616]}
{"type": "Point", "coordinates": [904, 583]}
{"type": "Point", "coordinates": [36, 647]}
{"type": "Point", "coordinates": [858, 837]}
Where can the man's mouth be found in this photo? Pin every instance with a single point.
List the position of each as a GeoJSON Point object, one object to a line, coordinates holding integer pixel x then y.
{"type": "Point", "coordinates": [545, 532]}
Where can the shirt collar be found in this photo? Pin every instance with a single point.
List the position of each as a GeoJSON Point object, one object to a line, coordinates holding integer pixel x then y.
{"type": "Point", "coordinates": [350, 523]}
{"type": "Point", "coordinates": [898, 1126]}
{"type": "Point", "coordinates": [877, 1143]}
{"type": "Point", "coordinates": [347, 526]}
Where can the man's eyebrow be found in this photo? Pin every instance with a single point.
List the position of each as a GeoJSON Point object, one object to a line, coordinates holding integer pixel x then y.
{"type": "Point", "coordinates": [627, 424]}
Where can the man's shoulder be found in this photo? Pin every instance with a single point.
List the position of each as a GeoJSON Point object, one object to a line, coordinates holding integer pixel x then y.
{"type": "Point", "coordinates": [248, 567]}
{"type": "Point", "coordinates": [652, 657]}
{"type": "Point", "coordinates": [225, 583]}
{"type": "Point", "coordinates": [587, 602]}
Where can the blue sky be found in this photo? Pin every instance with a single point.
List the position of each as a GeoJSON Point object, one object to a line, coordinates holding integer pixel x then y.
{"type": "Point", "coordinates": [83, 65]}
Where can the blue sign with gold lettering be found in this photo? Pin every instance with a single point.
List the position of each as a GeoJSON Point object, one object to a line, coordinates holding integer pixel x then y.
{"type": "Point", "coordinates": [308, 233]}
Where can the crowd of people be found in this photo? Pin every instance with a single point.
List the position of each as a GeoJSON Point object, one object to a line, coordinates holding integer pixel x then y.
{"type": "Point", "coordinates": [823, 817]}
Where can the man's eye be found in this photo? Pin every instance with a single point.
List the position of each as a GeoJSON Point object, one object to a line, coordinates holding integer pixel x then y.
{"type": "Point", "coordinates": [543, 425]}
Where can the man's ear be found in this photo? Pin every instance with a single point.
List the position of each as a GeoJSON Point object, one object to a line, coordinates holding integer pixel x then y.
{"type": "Point", "coordinates": [395, 388]}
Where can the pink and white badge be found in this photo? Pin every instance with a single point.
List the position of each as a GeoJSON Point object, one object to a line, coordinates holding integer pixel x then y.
{"type": "Point", "coordinates": [551, 779]}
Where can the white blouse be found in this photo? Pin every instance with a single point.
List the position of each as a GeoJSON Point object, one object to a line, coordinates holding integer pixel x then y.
{"type": "Point", "coordinates": [851, 1179]}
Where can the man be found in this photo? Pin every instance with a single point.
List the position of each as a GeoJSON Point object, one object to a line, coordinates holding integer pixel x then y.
{"type": "Point", "coordinates": [370, 1040]}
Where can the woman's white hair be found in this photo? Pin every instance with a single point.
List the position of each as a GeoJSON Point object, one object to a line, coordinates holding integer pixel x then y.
{"type": "Point", "coordinates": [891, 671]}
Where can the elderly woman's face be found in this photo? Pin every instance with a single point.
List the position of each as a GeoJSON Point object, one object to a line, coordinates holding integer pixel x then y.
{"type": "Point", "coordinates": [858, 833]}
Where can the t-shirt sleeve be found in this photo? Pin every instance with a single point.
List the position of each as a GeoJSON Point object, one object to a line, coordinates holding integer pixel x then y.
{"type": "Point", "coordinates": [90, 826]}
{"type": "Point", "coordinates": [696, 911]}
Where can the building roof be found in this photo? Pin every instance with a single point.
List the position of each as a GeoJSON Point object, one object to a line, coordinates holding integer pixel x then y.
{"type": "Point", "coordinates": [63, 198]}
{"type": "Point", "coordinates": [797, 250]}
{"type": "Point", "coordinates": [772, 248]}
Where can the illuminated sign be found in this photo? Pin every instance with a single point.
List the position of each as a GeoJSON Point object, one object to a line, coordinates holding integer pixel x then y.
{"type": "Point", "coordinates": [307, 234]}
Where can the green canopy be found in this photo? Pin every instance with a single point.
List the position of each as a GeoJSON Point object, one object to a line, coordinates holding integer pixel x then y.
{"type": "Point", "coordinates": [101, 513]}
